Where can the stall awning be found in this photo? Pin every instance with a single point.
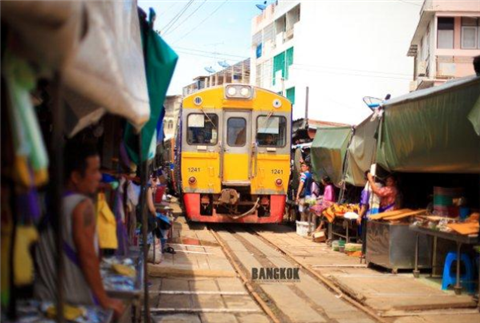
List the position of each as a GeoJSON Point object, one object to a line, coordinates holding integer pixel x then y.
{"type": "Point", "coordinates": [474, 116]}
{"type": "Point", "coordinates": [46, 33]}
{"type": "Point", "coordinates": [328, 152]}
{"type": "Point", "coordinates": [96, 45]}
{"type": "Point", "coordinates": [429, 130]}
{"type": "Point", "coordinates": [108, 69]}
{"type": "Point", "coordinates": [361, 152]}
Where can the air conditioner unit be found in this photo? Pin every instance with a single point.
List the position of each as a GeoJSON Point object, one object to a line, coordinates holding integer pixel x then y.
{"type": "Point", "coordinates": [280, 38]}
{"type": "Point", "coordinates": [422, 68]}
{"type": "Point", "coordinates": [413, 86]}
{"type": "Point", "coordinates": [446, 70]}
{"type": "Point", "coordinates": [289, 34]}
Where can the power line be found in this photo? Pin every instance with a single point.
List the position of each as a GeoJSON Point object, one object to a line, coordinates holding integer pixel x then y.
{"type": "Point", "coordinates": [206, 18]}
{"type": "Point", "coordinates": [186, 19]}
{"type": "Point", "coordinates": [177, 16]}
{"type": "Point", "coordinates": [204, 55]}
{"type": "Point", "coordinates": [208, 52]}
{"type": "Point", "coordinates": [167, 10]}
{"type": "Point", "coordinates": [351, 69]}
{"type": "Point", "coordinates": [350, 74]}
{"type": "Point", "coordinates": [411, 3]}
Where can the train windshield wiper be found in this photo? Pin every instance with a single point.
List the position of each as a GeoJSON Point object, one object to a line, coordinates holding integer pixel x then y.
{"type": "Point", "coordinates": [206, 115]}
{"type": "Point", "coordinates": [266, 121]}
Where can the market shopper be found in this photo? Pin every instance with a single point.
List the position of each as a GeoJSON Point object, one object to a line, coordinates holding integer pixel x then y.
{"type": "Point", "coordinates": [82, 282]}
{"type": "Point", "coordinates": [323, 202]}
{"type": "Point", "coordinates": [304, 190]}
{"type": "Point", "coordinates": [387, 194]}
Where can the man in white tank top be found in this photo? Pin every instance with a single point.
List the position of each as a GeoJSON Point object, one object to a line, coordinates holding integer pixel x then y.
{"type": "Point", "coordinates": [82, 281]}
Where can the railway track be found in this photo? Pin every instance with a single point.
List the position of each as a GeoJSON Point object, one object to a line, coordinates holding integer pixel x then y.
{"type": "Point", "coordinates": [311, 299]}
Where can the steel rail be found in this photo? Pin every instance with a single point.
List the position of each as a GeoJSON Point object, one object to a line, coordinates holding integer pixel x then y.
{"type": "Point", "coordinates": [325, 281]}
{"type": "Point", "coordinates": [244, 278]}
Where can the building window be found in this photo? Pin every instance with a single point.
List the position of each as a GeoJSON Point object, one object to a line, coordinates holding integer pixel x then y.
{"type": "Point", "coordinates": [445, 33]}
{"type": "Point", "coordinates": [291, 94]}
{"type": "Point", "coordinates": [170, 124]}
{"type": "Point", "coordinates": [258, 51]}
{"type": "Point", "coordinates": [470, 33]}
{"type": "Point", "coordinates": [282, 62]}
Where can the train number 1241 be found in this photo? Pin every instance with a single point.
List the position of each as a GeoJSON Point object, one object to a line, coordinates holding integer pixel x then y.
{"type": "Point", "coordinates": [193, 169]}
{"type": "Point", "coordinates": [277, 171]}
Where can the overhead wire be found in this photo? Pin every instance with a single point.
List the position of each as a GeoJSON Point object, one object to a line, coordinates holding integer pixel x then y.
{"type": "Point", "coordinates": [304, 67]}
{"type": "Point", "coordinates": [177, 16]}
{"type": "Point", "coordinates": [351, 69]}
{"type": "Point", "coordinates": [195, 27]}
{"type": "Point", "coordinates": [167, 10]}
{"type": "Point", "coordinates": [411, 3]}
{"type": "Point", "coordinates": [346, 73]}
{"type": "Point", "coordinates": [186, 19]}
{"type": "Point", "coordinates": [209, 52]}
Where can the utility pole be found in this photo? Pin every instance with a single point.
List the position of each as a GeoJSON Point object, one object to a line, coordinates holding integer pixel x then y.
{"type": "Point", "coordinates": [306, 106]}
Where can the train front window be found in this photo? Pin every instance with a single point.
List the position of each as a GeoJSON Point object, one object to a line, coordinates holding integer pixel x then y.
{"type": "Point", "coordinates": [271, 131]}
{"type": "Point", "coordinates": [202, 129]}
{"type": "Point", "coordinates": [236, 132]}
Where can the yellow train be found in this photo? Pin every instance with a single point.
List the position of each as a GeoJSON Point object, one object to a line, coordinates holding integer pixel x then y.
{"type": "Point", "coordinates": [233, 149]}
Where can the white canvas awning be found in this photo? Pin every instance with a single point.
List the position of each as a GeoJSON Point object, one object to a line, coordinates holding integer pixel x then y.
{"type": "Point", "coordinates": [97, 46]}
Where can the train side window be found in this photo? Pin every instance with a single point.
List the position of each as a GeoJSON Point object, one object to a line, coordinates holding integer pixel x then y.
{"type": "Point", "coordinates": [236, 132]}
{"type": "Point", "coordinates": [271, 131]}
{"type": "Point", "coordinates": [202, 129]}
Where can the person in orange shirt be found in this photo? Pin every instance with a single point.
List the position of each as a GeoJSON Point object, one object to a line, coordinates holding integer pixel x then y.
{"type": "Point", "coordinates": [387, 194]}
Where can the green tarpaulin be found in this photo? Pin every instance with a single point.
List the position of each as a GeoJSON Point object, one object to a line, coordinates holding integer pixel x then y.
{"type": "Point", "coordinates": [328, 152]}
{"type": "Point", "coordinates": [361, 152]}
{"type": "Point", "coordinates": [160, 62]}
{"type": "Point", "coordinates": [474, 116]}
{"type": "Point", "coordinates": [429, 130]}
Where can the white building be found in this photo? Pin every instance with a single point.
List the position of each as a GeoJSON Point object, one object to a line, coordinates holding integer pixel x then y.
{"type": "Point", "coordinates": [172, 110]}
{"type": "Point", "coordinates": [341, 50]}
{"type": "Point", "coordinates": [236, 73]}
{"type": "Point", "coordinates": [273, 46]}
{"type": "Point", "coordinates": [445, 41]}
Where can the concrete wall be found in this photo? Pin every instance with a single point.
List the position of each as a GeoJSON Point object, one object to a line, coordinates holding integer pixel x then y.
{"type": "Point", "coordinates": [344, 51]}
{"type": "Point", "coordinates": [452, 5]}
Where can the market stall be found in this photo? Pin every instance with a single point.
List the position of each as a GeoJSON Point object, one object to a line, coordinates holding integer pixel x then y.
{"type": "Point", "coordinates": [89, 58]}
{"type": "Point", "coordinates": [426, 138]}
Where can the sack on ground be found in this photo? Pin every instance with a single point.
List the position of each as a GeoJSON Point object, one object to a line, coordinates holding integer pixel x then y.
{"type": "Point", "coordinates": [158, 253]}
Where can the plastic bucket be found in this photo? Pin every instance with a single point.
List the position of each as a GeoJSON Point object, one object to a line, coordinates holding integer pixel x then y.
{"type": "Point", "coordinates": [304, 228]}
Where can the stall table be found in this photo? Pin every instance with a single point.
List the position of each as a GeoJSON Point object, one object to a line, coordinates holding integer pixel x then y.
{"type": "Point", "coordinates": [347, 224]}
{"type": "Point", "coordinates": [33, 311]}
{"type": "Point", "coordinates": [392, 246]}
{"type": "Point", "coordinates": [458, 238]}
{"type": "Point", "coordinates": [128, 289]}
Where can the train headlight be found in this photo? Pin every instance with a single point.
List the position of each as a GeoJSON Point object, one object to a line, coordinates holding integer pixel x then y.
{"type": "Point", "coordinates": [238, 91]}
{"type": "Point", "coordinates": [245, 92]}
{"type": "Point", "coordinates": [278, 182]}
{"type": "Point", "coordinates": [232, 91]}
{"type": "Point", "coordinates": [192, 180]}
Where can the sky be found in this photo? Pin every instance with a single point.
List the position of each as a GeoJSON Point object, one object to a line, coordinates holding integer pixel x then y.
{"type": "Point", "coordinates": [378, 34]}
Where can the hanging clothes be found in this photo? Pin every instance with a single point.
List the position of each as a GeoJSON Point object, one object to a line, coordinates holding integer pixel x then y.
{"type": "Point", "coordinates": [28, 143]}
{"type": "Point", "coordinates": [106, 224]}
{"type": "Point", "coordinates": [160, 62]}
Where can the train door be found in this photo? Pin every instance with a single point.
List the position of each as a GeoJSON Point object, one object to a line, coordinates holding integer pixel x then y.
{"type": "Point", "coordinates": [237, 148]}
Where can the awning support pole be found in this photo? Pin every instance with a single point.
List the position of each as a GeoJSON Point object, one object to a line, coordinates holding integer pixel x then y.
{"type": "Point", "coordinates": [143, 183]}
{"type": "Point", "coordinates": [56, 188]}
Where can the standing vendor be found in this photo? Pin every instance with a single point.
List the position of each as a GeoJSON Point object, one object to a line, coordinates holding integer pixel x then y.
{"type": "Point", "coordinates": [387, 194]}
{"type": "Point", "coordinates": [82, 282]}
